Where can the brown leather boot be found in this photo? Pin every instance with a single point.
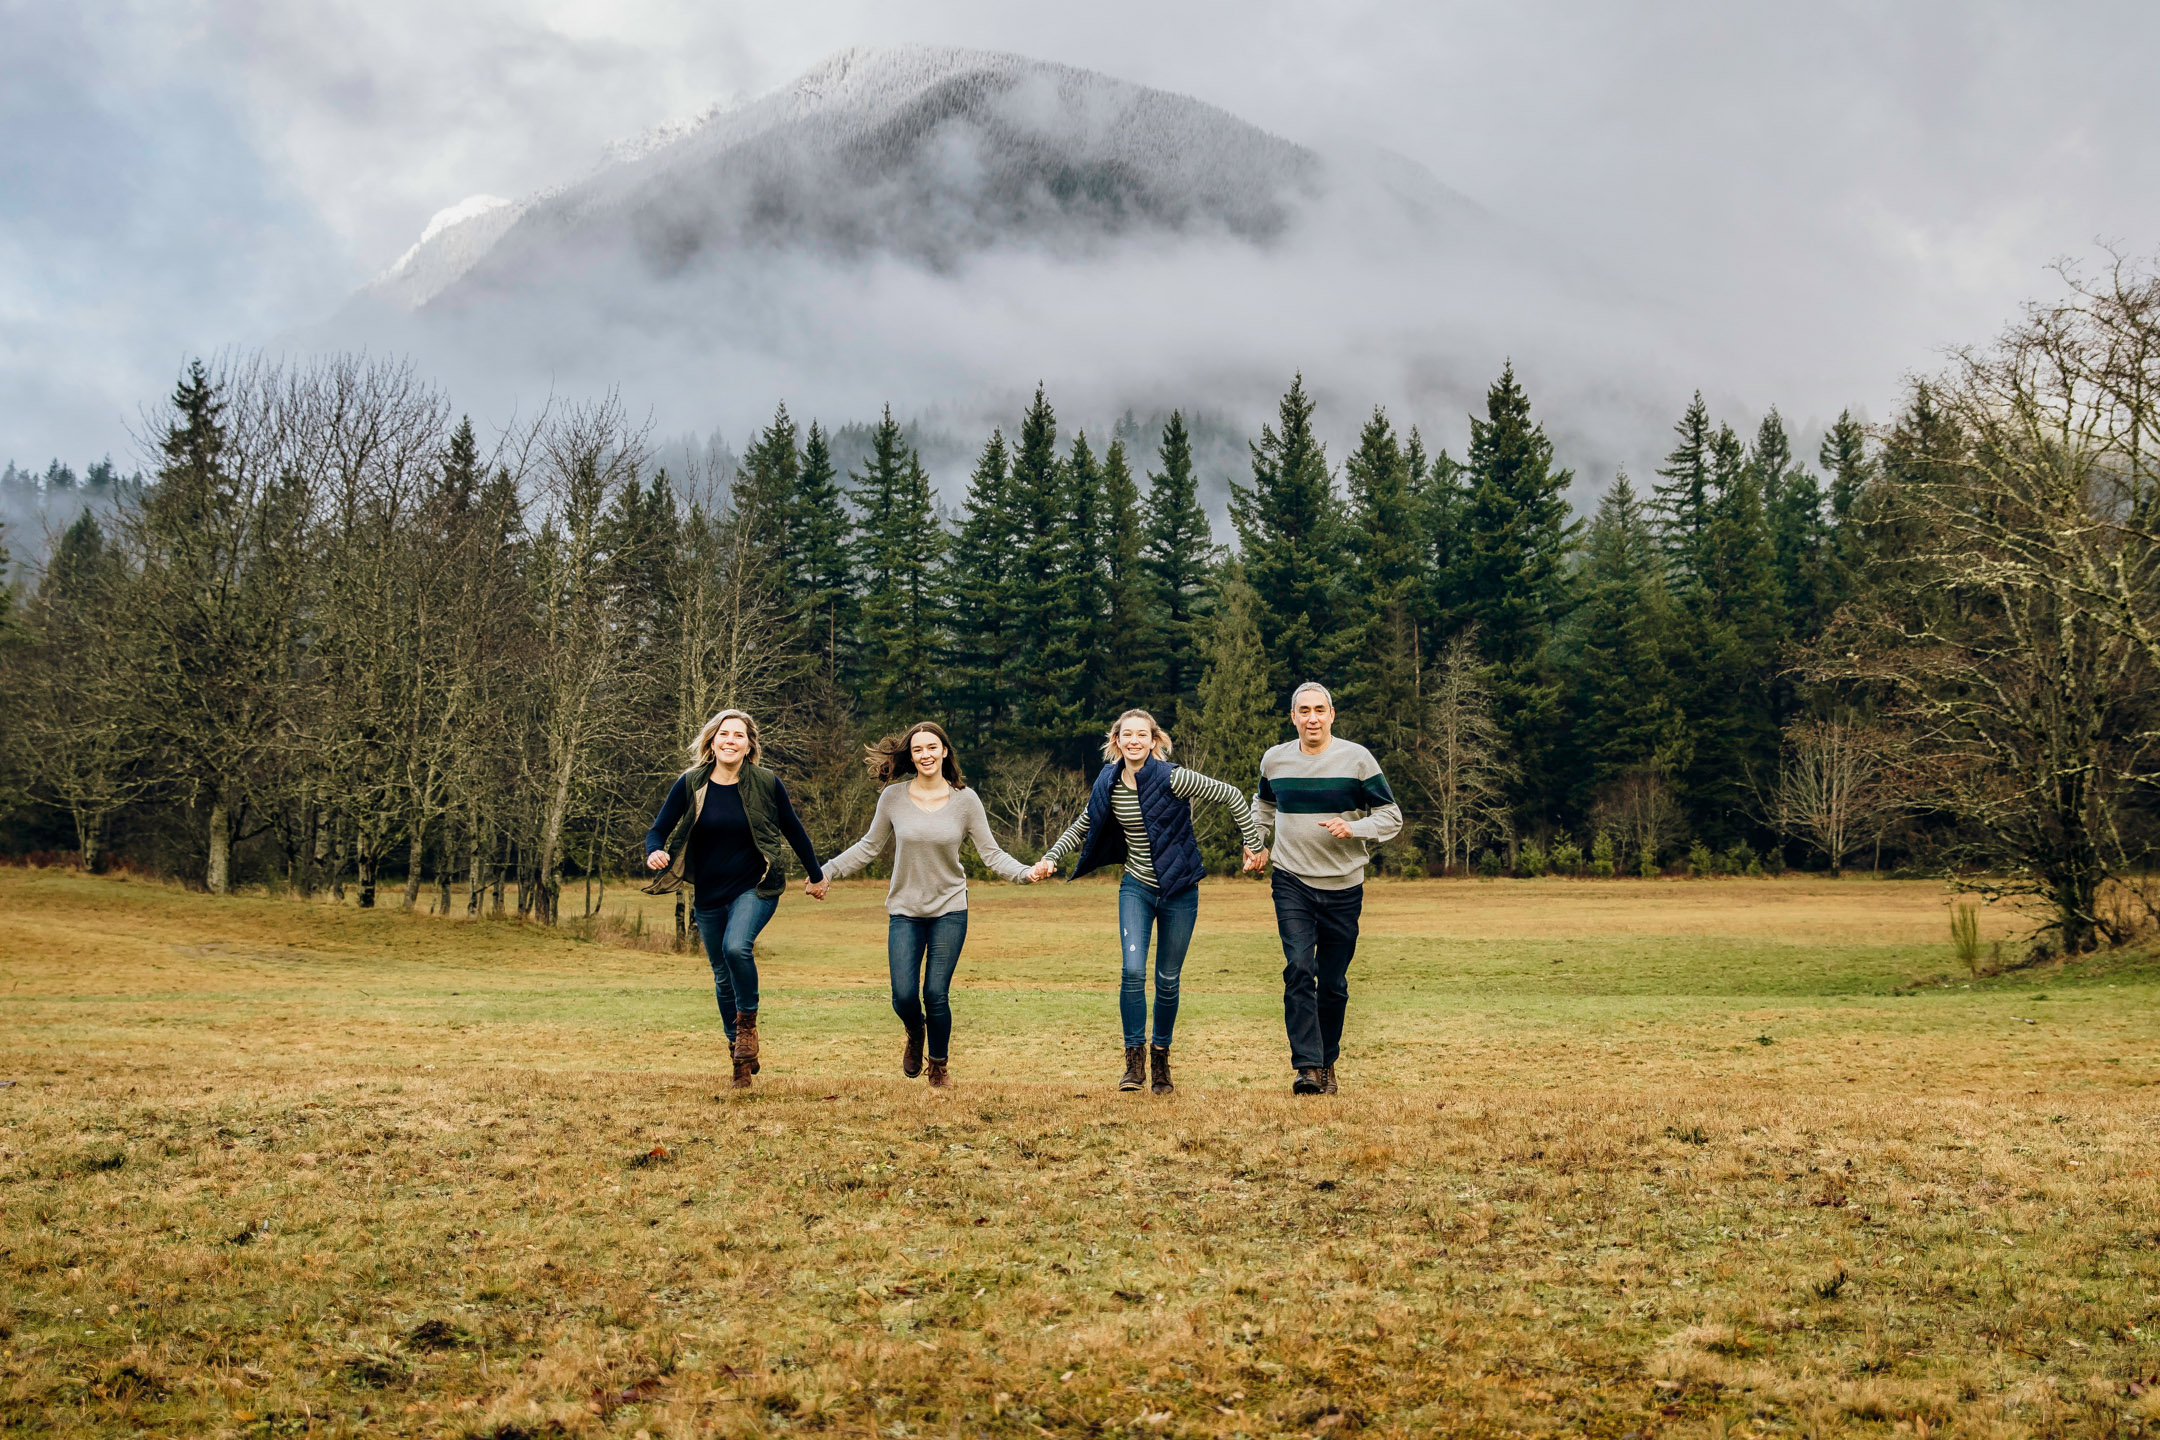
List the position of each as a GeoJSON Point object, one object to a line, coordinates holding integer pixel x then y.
{"type": "Point", "coordinates": [1327, 1079]}
{"type": "Point", "coordinates": [744, 1069]}
{"type": "Point", "coordinates": [1135, 1068]}
{"type": "Point", "coordinates": [746, 1037]}
{"type": "Point", "coordinates": [1159, 1069]}
{"type": "Point", "coordinates": [940, 1077]}
{"type": "Point", "coordinates": [911, 1053]}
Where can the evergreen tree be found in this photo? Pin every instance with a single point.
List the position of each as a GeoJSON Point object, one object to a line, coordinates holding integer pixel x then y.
{"type": "Point", "coordinates": [1511, 576]}
{"type": "Point", "coordinates": [822, 532]}
{"type": "Point", "coordinates": [1380, 598]}
{"type": "Point", "coordinates": [1078, 657]}
{"type": "Point", "coordinates": [1440, 497]}
{"type": "Point", "coordinates": [1731, 635]}
{"type": "Point", "coordinates": [1043, 714]}
{"type": "Point", "coordinates": [979, 579]}
{"type": "Point", "coordinates": [1844, 457]}
{"type": "Point", "coordinates": [1289, 542]}
{"type": "Point", "coordinates": [1176, 559]}
{"type": "Point", "coordinates": [1626, 717]}
{"type": "Point", "coordinates": [901, 554]}
{"type": "Point", "coordinates": [768, 482]}
{"type": "Point", "coordinates": [1237, 716]}
{"type": "Point", "coordinates": [1131, 648]}
{"type": "Point", "coordinates": [1680, 506]}
{"type": "Point", "coordinates": [1793, 510]}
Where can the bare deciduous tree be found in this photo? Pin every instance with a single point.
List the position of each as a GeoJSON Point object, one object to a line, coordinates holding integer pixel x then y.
{"type": "Point", "coordinates": [2014, 625]}
{"type": "Point", "coordinates": [1461, 756]}
{"type": "Point", "coordinates": [1840, 782]}
{"type": "Point", "coordinates": [1641, 813]}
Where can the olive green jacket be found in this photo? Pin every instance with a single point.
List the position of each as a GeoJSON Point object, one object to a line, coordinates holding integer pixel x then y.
{"type": "Point", "coordinates": [759, 789]}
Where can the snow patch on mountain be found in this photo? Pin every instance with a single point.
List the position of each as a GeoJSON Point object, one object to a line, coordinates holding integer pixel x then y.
{"type": "Point", "coordinates": [454, 240]}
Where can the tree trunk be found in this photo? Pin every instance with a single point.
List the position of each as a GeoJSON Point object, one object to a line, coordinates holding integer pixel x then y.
{"type": "Point", "coordinates": [337, 863]}
{"type": "Point", "coordinates": [682, 923]}
{"type": "Point", "coordinates": [219, 875]}
{"type": "Point", "coordinates": [443, 868]}
{"type": "Point", "coordinates": [502, 869]}
{"type": "Point", "coordinates": [86, 841]}
{"type": "Point", "coordinates": [303, 877]}
{"type": "Point", "coordinates": [415, 862]}
{"type": "Point", "coordinates": [525, 884]}
{"type": "Point", "coordinates": [364, 866]}
{"type": "Point", "coordinates": [551, 838]}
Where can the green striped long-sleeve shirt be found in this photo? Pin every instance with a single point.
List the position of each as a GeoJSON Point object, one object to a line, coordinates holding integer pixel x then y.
{"type": "Point", "coordinates": [1125, 805]}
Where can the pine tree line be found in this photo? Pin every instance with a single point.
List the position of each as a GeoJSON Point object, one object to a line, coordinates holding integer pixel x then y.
{"type": "Point", "coordinates": [331, 642]}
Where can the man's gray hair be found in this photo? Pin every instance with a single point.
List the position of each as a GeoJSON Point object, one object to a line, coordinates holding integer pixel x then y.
{"type": "Point", "coordinates": [1312, 685]}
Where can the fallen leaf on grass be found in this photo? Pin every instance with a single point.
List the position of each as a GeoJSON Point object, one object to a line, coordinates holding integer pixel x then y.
{"type": "Point", "coordinates": [658, 1155]}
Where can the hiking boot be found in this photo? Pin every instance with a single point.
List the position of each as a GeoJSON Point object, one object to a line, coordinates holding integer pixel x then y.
{"type": "Point", "coordinates": [1135, 1068]}
{"type": "Point", "coordinates": [744, 1069]}
{"type": "Point", "coordinates": [911, 1054]}
{"type": "Point", "coordinates": [1309, 1082]}
{"type": "Point", "coordinates": [940, 1077]}
{"type": "Point", "coordinates": [746, 1037]}
{"type": "Point", "coordinates": [1159, 1069]}
{"type": "Point", "coordinates": [1327, 1079]}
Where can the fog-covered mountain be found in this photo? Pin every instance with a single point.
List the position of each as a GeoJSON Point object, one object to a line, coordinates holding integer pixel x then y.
{"type": "Point", "coordinates": [930, 155]}
{"type": "Point", "coordinates": [941, 229]}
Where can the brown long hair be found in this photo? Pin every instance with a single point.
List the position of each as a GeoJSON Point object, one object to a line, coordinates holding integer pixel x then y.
{"type": "Point", "coordinates": [891, 759]}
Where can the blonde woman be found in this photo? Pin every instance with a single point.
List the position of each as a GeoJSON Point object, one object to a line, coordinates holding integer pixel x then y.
{"type": "Point", "coordinates": [1140, 814]}
{"type": "Point", "coordinates": [721, 828]}
{"type": "Point", "coordinates": [921, 821]}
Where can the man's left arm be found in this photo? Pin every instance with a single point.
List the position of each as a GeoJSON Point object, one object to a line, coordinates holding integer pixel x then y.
{"type": "Point", "coordinates": [1382, 820]}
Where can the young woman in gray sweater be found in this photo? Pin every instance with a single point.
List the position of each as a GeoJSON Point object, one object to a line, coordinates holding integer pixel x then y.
{"type": "Point", "coordinates": [922, 821]}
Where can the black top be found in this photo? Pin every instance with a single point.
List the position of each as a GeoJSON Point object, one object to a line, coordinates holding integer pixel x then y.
{"type": "Point", "coordinates": [725, 858]}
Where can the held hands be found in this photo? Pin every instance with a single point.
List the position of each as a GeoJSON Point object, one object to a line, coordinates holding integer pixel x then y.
{"type": "Point", "coordinates": [816, 889]}
{"type": "Point", "coordinates": [658, 860]}
{"type": "Point", "coordinates": [1041, 870]}
{"type": "Point", "coordinates": [1340, 829]}
{"type": "Point", "coordinates": [1256, 859]}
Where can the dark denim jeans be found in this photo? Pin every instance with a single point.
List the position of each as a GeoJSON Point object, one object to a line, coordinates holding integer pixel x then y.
{"type": "Point", "coordinates": [730, 934]}
{"type": "Point", "coordinates": [1319, 936]}
{"type": "Point", "coordinates": [923, 952]}
{"type": "Point", "coordinates": [1141, 911]}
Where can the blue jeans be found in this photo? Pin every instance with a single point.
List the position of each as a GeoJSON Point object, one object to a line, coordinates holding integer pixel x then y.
{"type": "Point", "coordinates": [1319, 939]}
{"type": "Point", "coordinates": [1139, 911]}
{"type": "Point", "coordinates": [730, 934]}
{"type": "Point", "coordinates": [923, 952]}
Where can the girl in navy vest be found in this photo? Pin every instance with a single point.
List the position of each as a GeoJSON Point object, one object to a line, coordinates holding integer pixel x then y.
{"type": "Point", "coordinates": [1139, 814]}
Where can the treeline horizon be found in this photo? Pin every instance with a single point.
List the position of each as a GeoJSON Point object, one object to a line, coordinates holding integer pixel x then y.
{"type": "Point", "coordinates": [330, 641]}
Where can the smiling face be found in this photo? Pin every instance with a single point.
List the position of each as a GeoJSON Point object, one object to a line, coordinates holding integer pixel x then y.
{"type": "Point", "coordinates": [1314, 716]}
{"type": "Point", "coordinates": [731, 742]}
{"type": "Point", "coordinates": [928, 753]}
{"type": "Point", "coordinates": [1135, 740]}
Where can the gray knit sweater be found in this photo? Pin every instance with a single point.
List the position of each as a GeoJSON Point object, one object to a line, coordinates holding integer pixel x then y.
{"type": "Point", "coordinates": [925, 845]}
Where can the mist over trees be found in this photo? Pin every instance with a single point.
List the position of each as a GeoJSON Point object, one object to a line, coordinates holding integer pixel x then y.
{"type": "Point", "coordinates": [336, 640]}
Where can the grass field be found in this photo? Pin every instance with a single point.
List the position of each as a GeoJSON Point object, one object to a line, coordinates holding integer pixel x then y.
{"type": "Point", "coordinates": [1611, 1158]}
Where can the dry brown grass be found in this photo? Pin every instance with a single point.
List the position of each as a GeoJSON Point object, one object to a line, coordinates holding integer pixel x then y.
{"type": "Point", "coordinates": [272, 1169]}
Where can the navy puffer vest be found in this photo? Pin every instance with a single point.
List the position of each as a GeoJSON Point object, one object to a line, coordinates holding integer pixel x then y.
{"type": "Point", "coordinates": [1167, 818]}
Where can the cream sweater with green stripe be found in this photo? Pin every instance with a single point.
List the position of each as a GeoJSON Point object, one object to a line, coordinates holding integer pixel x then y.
{"type": "Point", "coordinates": [1342, 782]}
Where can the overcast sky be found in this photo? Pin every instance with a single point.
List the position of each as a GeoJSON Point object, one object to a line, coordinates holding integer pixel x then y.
{"type": "Point", "coordinates": [1838, 191]}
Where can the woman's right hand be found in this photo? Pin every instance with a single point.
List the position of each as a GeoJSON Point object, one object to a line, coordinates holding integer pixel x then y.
{"type": "Point", "coordinates": [1041, 870]}
{"type": "Point", "coordinates": [658, 860]}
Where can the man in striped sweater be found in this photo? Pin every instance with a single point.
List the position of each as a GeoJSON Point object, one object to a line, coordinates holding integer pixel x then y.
{"type": "Point", "coordinates": [1326, 800]}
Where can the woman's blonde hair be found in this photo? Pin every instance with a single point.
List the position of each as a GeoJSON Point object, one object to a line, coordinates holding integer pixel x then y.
{"type": "Point", "coordinates": [701, 751]}
{"type": "Point", "coordinates": [1162, 736]}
